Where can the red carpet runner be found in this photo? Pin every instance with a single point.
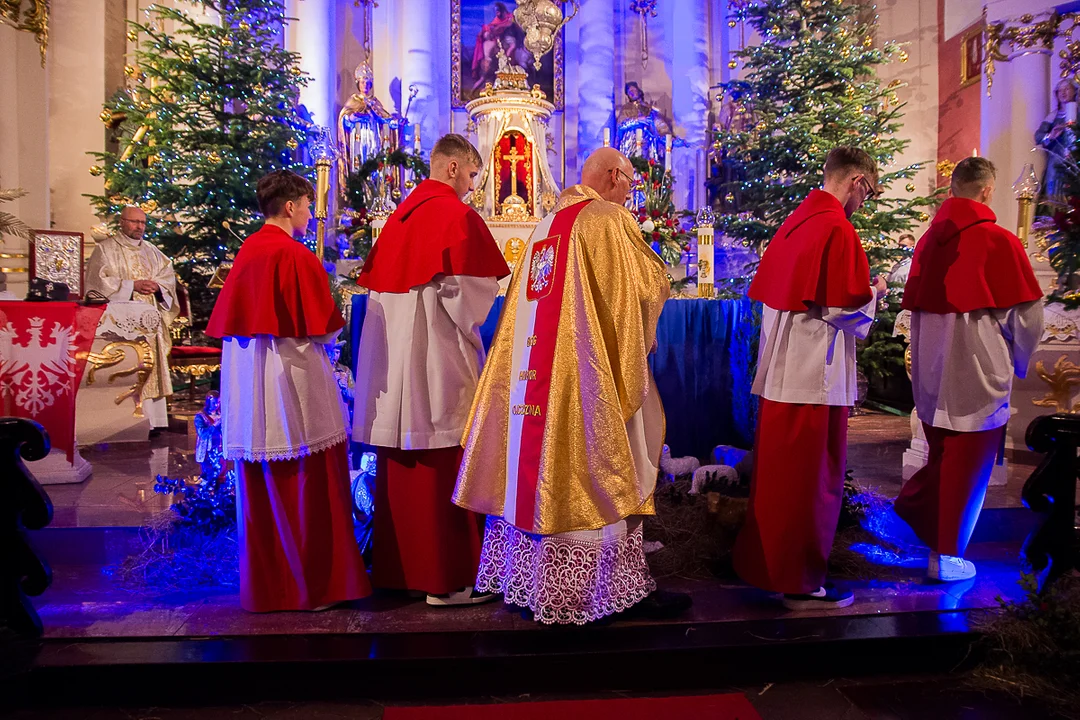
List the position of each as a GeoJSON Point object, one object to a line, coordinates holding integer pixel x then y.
{"type": "Point", "coordinates": [732, 706]}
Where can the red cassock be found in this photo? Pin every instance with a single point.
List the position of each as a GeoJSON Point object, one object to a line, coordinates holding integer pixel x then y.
{"type": "Point", "coordinates": [800, 450]}
{"type": "Point", "coordinates": [963, 263]}
{"type": "Point", "coordinates": [421, 541]}
{"type": "Point", "coordinates": [297, 547]}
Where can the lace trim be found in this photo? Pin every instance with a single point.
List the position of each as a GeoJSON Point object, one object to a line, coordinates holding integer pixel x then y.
{"type": "Point", "coordinates": [564, 580]}
{"type": "Point", "coordinates": [293, 452]}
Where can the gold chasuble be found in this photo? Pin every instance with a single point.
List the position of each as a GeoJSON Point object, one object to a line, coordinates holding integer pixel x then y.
{"type": "Point", "coordinates": [566, 426]}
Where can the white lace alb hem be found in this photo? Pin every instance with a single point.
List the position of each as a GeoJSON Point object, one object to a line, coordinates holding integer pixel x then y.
{"type": "Point", "coordinates": [285, 453]}
{"type": "Point", "coordinates": [564, 580]}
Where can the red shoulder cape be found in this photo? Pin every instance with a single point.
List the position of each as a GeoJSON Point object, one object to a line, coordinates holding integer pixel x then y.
{"type": "Point", "coordinates": [965, 262]}
{"type": "Point", "coordinates": [431, 233]}
{"type": "Point", "coordinates": [276, 287]}
{"type": "Point", "coordinates": [815, 258]}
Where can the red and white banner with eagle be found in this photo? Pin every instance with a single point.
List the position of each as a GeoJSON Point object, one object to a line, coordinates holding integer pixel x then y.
{"type": "Point", "coordinates": [43, 351]}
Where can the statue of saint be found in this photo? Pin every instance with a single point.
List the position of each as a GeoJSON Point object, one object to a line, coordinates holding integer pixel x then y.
{"type": "Point", "coordinates": [639, 118]}
{"type": "Point", "coordinates": [1057, 136]}
{"type": "Point", "coordinates": [364, 126]}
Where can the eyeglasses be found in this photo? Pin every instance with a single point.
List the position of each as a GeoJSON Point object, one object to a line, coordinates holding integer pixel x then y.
{"type": "Point", "coordinates": [623, 173]}
{"type": "Point", "coordinates": [871, 191]}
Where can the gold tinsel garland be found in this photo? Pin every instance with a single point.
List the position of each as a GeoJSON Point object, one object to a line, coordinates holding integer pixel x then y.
{"type": "Point", "coordinates": [34, 18]}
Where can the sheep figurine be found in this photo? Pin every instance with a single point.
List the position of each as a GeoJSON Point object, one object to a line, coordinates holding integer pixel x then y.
{"type": "Point", "coordinates": [706, 473]}
{"type": "Point", "coordinates": [677, 467]}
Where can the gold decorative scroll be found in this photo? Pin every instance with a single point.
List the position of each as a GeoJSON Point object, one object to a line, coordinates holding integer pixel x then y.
{"type": "Point", "coordinates": [1065, 377]}
{"type": "Point", "coordinates": [112, 355]}
{"type": "Point", "coordinates": [34, 18]}
{"type": "Point", "coordinates": [197, 369]}
{"type": "Point", "coordinates": [1029, 34]}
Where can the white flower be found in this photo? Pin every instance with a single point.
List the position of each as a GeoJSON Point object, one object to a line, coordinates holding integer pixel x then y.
{"type": "Point", "coordinates": [648, 226]}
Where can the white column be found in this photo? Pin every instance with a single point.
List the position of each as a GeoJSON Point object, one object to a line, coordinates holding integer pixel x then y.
{"type": "Point", "coordinates": [23, 121]}
{"type": "Point", "coordinates": [690, 99]}
{"type": "Point", "coordinates": [24, 147]}
{"type": "Point", "coordinates": [425, 62]}
{"type": "Point", "coordinates": [595, 76]}
{"type": "Point", "coordinates": [1010, 117]}
{"type": "Point", "coordinates": [312, 35]}
{"type": "Point", "coordinates": [76, 63]}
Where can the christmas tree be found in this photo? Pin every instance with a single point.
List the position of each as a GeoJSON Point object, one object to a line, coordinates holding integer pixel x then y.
{"type": "Point", "coordinates": [212, 108]}
{"type": "Point", "coordinates": [811, 85]}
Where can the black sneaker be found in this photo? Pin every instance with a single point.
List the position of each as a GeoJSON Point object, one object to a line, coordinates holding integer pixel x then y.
{"type": "Point", "coordinates": [828, 597]}
{"type": "Point", "coordinates": [659, 605]}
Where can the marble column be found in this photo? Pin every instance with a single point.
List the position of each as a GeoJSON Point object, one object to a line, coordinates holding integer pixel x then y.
{"type": "Point", "coordinates": [690, 98]}
{"type": "Point", "coordinates": [425, 62]}
{"type": "Point", "coordinates": [312, 35]}
{"type": "Point", "coordinates": [595, 96]}
{"type": "Point", "coordinates": [76, 89]}
{"type": "Point", "coordinates": [24, 147]}
{"type": "Point", "coordinates": [1010, 116]}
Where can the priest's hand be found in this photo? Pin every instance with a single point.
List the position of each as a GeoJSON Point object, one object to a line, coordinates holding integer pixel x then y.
{"type": "Point", "coordinates": [880, 286]}
{"type": "Point", "coordinates": [146, 287]}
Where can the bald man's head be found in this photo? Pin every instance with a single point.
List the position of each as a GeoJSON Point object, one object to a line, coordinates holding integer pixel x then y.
{"type": "Point", "coordinates": [610, 173]}
{"type": "Point", "coordinates": [133, 222]}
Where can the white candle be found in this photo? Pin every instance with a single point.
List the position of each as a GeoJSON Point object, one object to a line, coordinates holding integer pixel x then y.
{"type": "Point", "coordinates": [607, 137]}
{"type": "Point", "coordinates": [667, 154]}
{"type": "Point", "coordinates": [416, 139]}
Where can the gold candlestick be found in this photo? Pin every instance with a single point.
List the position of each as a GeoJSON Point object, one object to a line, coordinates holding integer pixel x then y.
{"type": "Point", "coordinates": [1026, 189]}
{"type": "Point", "coordinates": [322, 200]}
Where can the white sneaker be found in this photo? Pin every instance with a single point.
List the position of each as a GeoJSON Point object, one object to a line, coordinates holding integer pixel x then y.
{"type": "Point", "coordinates": [462, 597]}
{"type": "Point", "coordinates": [946, 568]}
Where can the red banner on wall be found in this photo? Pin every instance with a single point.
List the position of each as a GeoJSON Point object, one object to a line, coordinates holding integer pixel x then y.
{"type": "Point", "coordinates": [43, 350]}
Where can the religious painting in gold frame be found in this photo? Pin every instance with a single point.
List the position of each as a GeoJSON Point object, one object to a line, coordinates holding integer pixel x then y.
{"type": "Point", "coordinates": [971, 57]}
{"type": "Point", "coordinates": [476, 29]}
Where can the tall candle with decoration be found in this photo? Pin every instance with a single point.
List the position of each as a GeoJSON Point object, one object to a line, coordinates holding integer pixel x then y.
{"type": "Point", "coordinates": [667, 154]}
{"type": "Point", "coordinates": [706, 283]}
{"type": "Point", "coordinates": [607, 137]}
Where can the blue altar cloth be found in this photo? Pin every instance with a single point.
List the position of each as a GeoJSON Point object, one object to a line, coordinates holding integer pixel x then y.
{"type": "Point", "coordinates": [702, 369]}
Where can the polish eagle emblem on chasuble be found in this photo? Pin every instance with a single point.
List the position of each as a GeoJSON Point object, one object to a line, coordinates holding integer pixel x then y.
{"type": "Point", "coordinates": [542, 267]}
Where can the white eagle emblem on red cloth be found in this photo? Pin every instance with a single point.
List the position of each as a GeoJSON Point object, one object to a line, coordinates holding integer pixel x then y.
{"type": "Point", "coordinates": [35, 372]}
{"type": "Point", "coordinates": [541, 269]}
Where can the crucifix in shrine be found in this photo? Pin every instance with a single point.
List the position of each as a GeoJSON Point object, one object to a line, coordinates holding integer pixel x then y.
{"type": "Point", "coordinates": [514, 205]}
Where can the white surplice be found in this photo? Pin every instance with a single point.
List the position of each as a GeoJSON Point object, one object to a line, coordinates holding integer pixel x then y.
{"type": "Point", "coordinates": [419, 362]}
{"type": "Point", "coordinates": [962, 364]}
{"type": "Point", "coordinates": [808, 357]}
{"type": "Point", "coordinates": [279, 398]}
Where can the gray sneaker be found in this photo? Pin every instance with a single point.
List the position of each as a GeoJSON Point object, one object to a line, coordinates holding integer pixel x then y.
{"type": "Point", "coordinates": [947, 568]}
{"type": "Point", "coordinates": [468, 596]}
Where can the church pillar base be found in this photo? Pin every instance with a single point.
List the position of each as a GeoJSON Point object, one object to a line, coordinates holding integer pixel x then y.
{"type": "Point", "coordinates": [55, 469]}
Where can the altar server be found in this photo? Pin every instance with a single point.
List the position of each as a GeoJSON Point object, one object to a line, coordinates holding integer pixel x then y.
{"type": "Point", "coordinates": [977, 317]}
{"type": "Point", "coordinates": [565, 435]}
{"type": "Point", "coordinates": [814, 284]}
{"type": "Point", "coordinates": [433, 277]}
{"type": "Point", "coordinates": [283, 419]}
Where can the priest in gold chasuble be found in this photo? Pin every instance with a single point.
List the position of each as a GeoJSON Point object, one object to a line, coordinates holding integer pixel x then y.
{"type": "Point", "coordinates": [124, 267]}
{"type": "Point", "coordinates": [563, 442]}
